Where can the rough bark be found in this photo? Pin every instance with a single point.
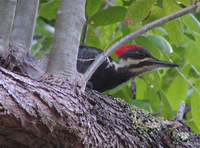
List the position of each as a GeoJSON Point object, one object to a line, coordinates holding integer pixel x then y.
{"type": "Point", "coordinates": [53, 112]}
{"type": "Point", "coordinates": [19, 61]}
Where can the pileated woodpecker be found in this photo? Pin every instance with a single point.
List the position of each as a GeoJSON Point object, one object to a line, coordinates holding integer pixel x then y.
{"type": "Point", "coordinates": [133, 61]}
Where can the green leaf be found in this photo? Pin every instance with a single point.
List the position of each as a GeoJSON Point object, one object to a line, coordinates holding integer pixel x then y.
{"type": "Point", "coordinates": [197, 10]}
{"type": "Point", "coordinates": [193, 126]}
{"type": "Point", "coordinates": [124, 93]}
{"type": "Point", "coordinates": [43, 28]}
{"type": "Point", "coordinates": [127, 2]}
{"type": "Point", "coordinates": [177, 92]}
{"type": "Point", "coordinates": [189, 115]}
{"type": "Point", "coordinates": [189, 22]}
{"type": "Point", "coordinates": [49, 10]}
{"type": "Point", "coordinates": [170, 6]}
{"type": "Point", "coordinates": [186, 69]}
{"type": "Point", "coordinates": [140, 103]}
{"type": "Point", "coordinates": [108, 16]}
{"type": "Point", "coordinates": [92, 38]}
{"type": "Point", "coordinates": [156, 13]}
{"type": "Point", "coordinates": [141, 89]}
{"type": "Point", "coordinates": [109, 35]}
{"type": "Point", "coordinates": [196, 39]}
{"type": "Point", "coordinates": [185, 2]}
{"type": "Point", "coordinates": [118, 88]}
{"type": "Point", "coordinates": [161, 43]}
{"type": "Point", "coordinates": [42, 47]}
{"type": "Point", "coordinates": [191, 123]}
{"type": "Point", "coordinates": [139, 10]}
{"type": "Point", "coordinates": [195, 21]}
{"type": "Point", "coordinates": [125, 29]}
{"type": "Point", "coordinates": [195, 107]}
{"type": "Point", "coordinates": [197, 86]}
{"type": "Point", "coordinates": [193, 76]}
{"type": "Point", "coordinates": [92, 6]}
{"type": "Point", "coordinates": [192, 54]}
{"type": "Point", "coordinates": [35, 48]}
{"type": "Point", "coordinates": [152, 79]}
{"type": "Point", "coordinates": [175, 32]}
{"type": "Point", "coordinates": [166, 110]}
{"type": "Point", "coordinates": [146, 43]}
{"type": "Point", "coordinates": [154, 99]}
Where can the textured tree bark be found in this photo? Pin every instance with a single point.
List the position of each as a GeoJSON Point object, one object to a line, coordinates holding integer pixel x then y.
{"type": "Point", "coordinates": [53, 112]}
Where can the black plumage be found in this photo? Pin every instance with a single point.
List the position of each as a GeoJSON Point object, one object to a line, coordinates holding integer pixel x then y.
{"type": "Point", "coordinates": [133, 61]}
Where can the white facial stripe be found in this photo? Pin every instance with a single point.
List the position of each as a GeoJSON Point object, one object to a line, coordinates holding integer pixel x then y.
{"type": "Point", "coordinates": [111, 64]}
{"type": "Point", "coordinates": [132, 62]}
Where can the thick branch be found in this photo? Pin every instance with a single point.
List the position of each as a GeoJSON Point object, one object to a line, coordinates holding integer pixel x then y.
{"type": "Point", "coordinates": [135, 34]}
{"type": "Point", "coordinates": [7, 12]}
{"type": "Point", "coordinates": [24, 25]}
{"type": "Point", "coordinates": [69, 22]}
{"type": "Point", "coordinates": [54, 113]}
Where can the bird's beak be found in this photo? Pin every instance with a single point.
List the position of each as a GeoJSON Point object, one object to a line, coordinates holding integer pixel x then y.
{"type": "Point", "coordinates": [164, 64]}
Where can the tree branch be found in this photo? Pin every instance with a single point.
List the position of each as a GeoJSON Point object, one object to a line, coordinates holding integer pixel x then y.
{"type": "Point", "coordinates": [54, 113]}
{"type": "Point", "coordinates": [7, 13]}
{"type": "Point", "coordinates": [181, 110]}
{"type": "Point", "coordinates": [135, 34]}
{"type": "Point", "coordinates": [69, 22]}
{"type": "Point", "coordinates": [24, 24]}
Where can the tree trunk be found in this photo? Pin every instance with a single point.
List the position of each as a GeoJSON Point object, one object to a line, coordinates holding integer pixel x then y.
{"type": "Point", "coordinates": [53, 112]}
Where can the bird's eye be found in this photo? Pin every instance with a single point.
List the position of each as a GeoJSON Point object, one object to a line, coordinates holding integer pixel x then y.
{"type": "Point", "coordinates": [141, 55]}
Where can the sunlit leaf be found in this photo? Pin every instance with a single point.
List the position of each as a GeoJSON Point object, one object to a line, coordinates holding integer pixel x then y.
{"type": "Point", "coordinates": [185, 2]}
{"type": "Point", "coordinates": [139, 10]}
{"type": "Point", "coordinates": [92, 38]}
{"type": "Point", "coordinates": [196, 39]}
{"type": "Point", "coordinates": [152, 79]}
{"type": "Point", "coordinates": [161, 43]}
{"type": "Point", "coordinates": [195, 21]}
{"type": "Point", "coordinates": [141, 89]}
{"type": "Point", "coordinates": [177, 91]}
{"type": "Point", "coordinates": [166, 110]}
{"type": "Point", "coordinates": [49, 10]}
{"type": "Point", "coordinates": [109, 35]}
{"type": "Point", "coordinates": [192, 54]}
{"type": "Point", "coordinates": [190, 23]}
{"type": "Point", "coordinates": [194, 127]}
{"type": "Point", "coordinates": [186, 69]}
{"type": "Point", "coordinates": [170, 6]}
{"type": "Point", "coordinates": [154, 99]}
{"type": "Point", "coordinates": [92, 6]}
{"type": "Point", "coordinates": [155, 13]}
{"type": "Point", "coordinates": [195, 107]}
{"type": "Point", "coordinates": [175, 32]}
{"type": "Point", "coordinates": [108, 16]}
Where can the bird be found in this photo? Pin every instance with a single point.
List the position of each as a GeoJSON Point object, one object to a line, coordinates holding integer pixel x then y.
{"type": "Point", "coordinates": [133, 60]}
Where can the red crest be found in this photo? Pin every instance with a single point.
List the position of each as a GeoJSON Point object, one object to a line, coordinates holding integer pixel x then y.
{"type": "Point", "coordinates": [123, 49]}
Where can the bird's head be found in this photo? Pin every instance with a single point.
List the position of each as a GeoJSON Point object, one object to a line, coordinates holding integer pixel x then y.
{"type": "Point", "coordinates": [138, 60]}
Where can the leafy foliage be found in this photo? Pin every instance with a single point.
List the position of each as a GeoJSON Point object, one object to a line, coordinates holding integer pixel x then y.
{"type": "Point", "coordinates": [177, 41]}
